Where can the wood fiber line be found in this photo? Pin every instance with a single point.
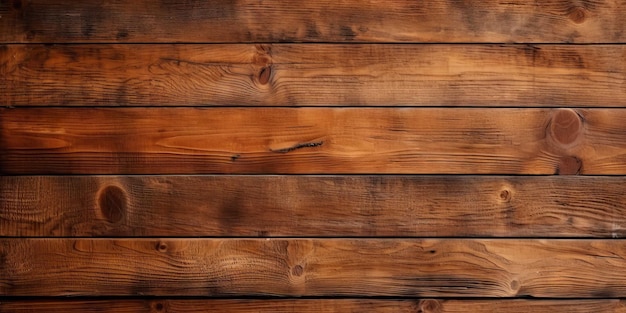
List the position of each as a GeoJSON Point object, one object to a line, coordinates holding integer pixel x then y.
{"type": "Point", "coordinates": [316, 206]}
{"type": "Point", "coordinates": [313, 75]}
{"type": "Point", "coordinates": [312, 141]}
{"type": "Point", "coordinates": [314, 306]}
{"type": "Point", "coordinates": [314, 267]}
{"type": "Point", "coordinates": [476, 21]}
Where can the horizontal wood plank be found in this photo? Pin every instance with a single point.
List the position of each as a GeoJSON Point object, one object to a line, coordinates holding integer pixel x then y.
{"type": "Point", "coordinates": [313, 75]}
{"type": "Point", "coordinates": [316, 21]}
{"type": "Point", "coordinates": [316, 206]}
{"type": "Point", "coordinates": [313, 306]}
{"type": "Point", "coordinates": [312, 141]}
{"type": "Point", "coordinates": [313, 267]}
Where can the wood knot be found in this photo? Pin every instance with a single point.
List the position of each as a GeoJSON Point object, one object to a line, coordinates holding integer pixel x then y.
{"type": "Point", "coordinates": [570, 165]}
{"type": "Point", "coordinates": [565, 127]}
{"type": "Point", "coordinates": [297, 270]}
{"type": "Point", "coordinates": [158, 306]}
{"type": "Point", "coordinates": [577, 15]}
{"type": "Point", "coordinates": [263, 55]}
{"type": "Point", "coordinates": [17, 4]}
{"type": "Point", "coordinates": [429, 306]}
{"type": "Point", "coordinates": [161, 246]}
{"type": "Point", "coordinates": [515, 285]}
{"type": "Point", "coordinates": [265, 74]}
{"type": "Point", "coordinates": [112, 203]}
{"type": "Point", "coordinates": [505, 195]}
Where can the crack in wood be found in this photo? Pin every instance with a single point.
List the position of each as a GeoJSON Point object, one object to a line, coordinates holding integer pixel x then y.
{"type": "Point", "coordinates": [299, 146]}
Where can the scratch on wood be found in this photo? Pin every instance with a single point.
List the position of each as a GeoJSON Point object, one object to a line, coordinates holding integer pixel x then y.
{"type": "Point", "coordinates": [299, 146]}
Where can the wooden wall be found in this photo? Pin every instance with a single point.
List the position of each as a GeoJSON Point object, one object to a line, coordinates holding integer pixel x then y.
{"type": "Point", "coordinates": [313, 156]}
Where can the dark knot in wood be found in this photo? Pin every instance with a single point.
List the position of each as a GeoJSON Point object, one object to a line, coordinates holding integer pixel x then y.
{"type": "Point", "coordinates": [112, 203]}
{"type": "Point", "coordinates": [577, 14]}
{"type": "Point", "coordinates": [566, 127]}
{"type": "Point", "coordinates": [569, 166]}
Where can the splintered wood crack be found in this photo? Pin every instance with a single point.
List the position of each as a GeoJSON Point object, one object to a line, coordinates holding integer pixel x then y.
{"type": "Point", "coordinates": [299, 146]}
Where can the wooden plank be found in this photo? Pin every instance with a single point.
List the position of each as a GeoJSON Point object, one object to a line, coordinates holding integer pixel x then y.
{"type": "Point", "coordinates": [313, 206]}
{"type": "Point", "coordinates": [313, 75]}
{"type": "Point", "coordinates": [313, 306]}
{"type": "Point", "coordinates": [312, 141]}
{"type": "Point", "coordinates": [317, 21]}
{"type": "Point", "coordinates": [314, 267]}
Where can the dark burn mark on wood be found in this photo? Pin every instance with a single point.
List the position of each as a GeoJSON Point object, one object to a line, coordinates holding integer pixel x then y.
{"type": "Point", "coordinates": [347, 32]}
{"type": "Point", "coordinates": [604, 293]}
{"type": "Point", "coordinates": [121, 35]}
{"type": "Point", "coordinates": [232, 210]}
{"type": "Point", "coordinates": [299, 146]}
{"type": "Point", "coordinates": [112, 203]}
{"type": "Point", "coordinates": [311, 30]}
{"type": "Point", "coordinates": [158, 306]}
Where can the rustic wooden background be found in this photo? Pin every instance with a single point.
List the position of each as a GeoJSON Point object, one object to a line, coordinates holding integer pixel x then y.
{"type": "Point", "coordinates": [313, 156]}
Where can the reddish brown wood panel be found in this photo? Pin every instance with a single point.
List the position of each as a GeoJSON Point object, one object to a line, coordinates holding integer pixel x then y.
{"type": "Point", "coordinates": [325, 21]}
{"type": "Point", "coordinates": [317, 206]}
{"type": "Point", "coordinates": [314, 267]}
{"type": "Point", "coordinates": [312, 141]}
{"type": "Point", "coordinates": [314, 306]}
{"type": "Point", "coordinates": [313, 75]}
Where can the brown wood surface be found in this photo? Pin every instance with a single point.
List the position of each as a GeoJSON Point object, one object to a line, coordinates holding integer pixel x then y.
{"type": "Point", "coordinates": [319, 21]}
{"type": "Point", "coordinates": [314, 306]}
{"type": "Point", "coordinates": [312, 141]}
{"type": "Point", "coordinates": [313, 75]}
{"type": "Point", "coordinates": [318, 206]}
{"type": "Point", "coordinates": [314, 267]}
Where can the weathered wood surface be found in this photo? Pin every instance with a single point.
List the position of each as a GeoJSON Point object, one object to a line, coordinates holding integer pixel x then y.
{"type": "Point", "coordinates": [318, 21]}
{"type": "Point", "coordinates": [313, 75]}
{"type": "Point", "coordinates": [312, 141]}
{"type": "Point", "coordinates": [317, 206]}
{"type": "Point", "coordinates": [314, 267]}
{"type": "Point", "coordinates": [313, 306]}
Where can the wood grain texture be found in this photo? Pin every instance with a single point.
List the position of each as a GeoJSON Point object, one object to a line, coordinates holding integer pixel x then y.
{"type": "Point", "coordinates": [584, 21]}
{"type": "Point", "coordinates": [317, 206]}
{"type": "Point", "coordinates": [313, 75]}
{"type": "Point", "coordinates": [314, 306]}
{"type": "Point", "coordinates": [314, 267]}
{"type": "Point", "coordinates": [312, 141]}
